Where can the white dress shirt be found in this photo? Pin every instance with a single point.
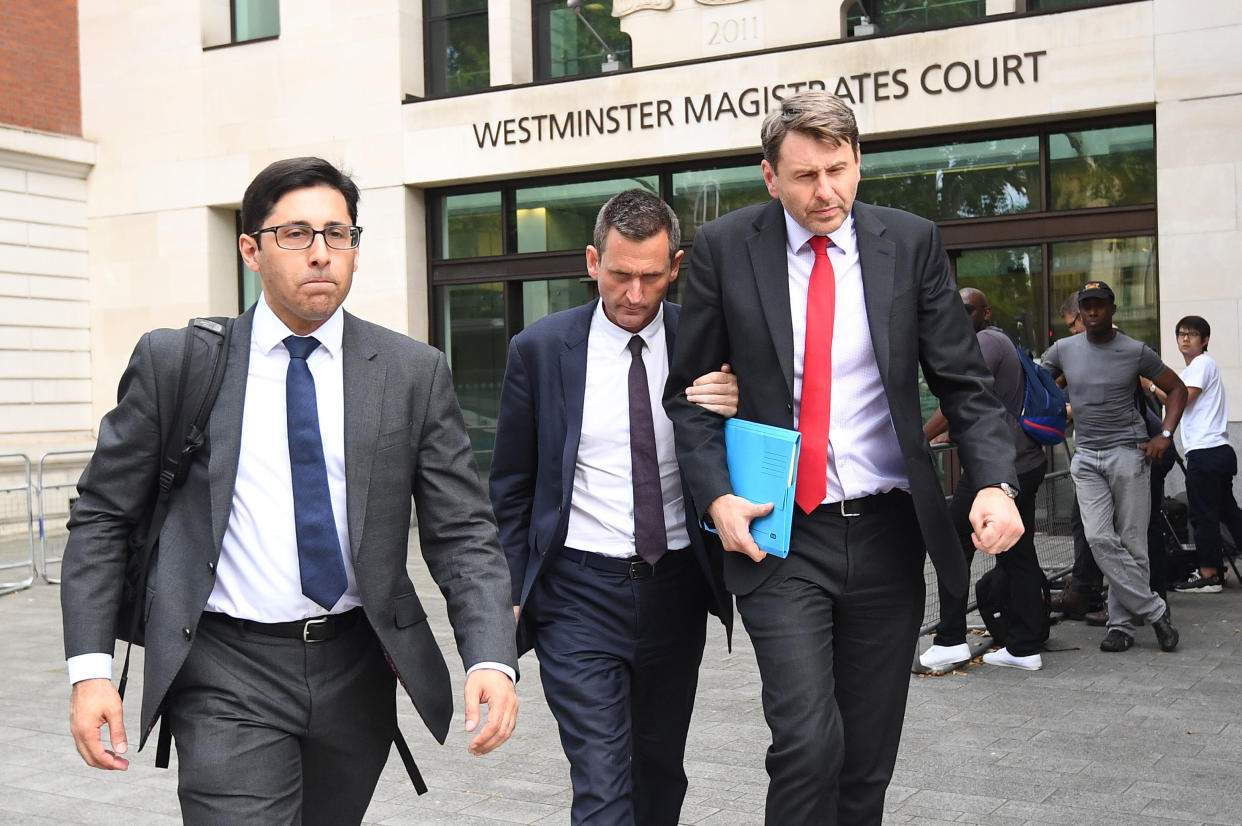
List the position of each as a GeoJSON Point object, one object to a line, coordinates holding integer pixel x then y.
{"type": "Point", "coordinates": [601, 517]}
{"type": "Point", "coordinates": [864, 456]}
{"type": "Point", "coordinates": [258, 576]}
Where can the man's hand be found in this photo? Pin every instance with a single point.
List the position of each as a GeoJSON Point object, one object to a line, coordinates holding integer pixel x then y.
{"type": "Point", "coordinates": [732, 515]}
{"type": "Point", "coordinates": [487, 685]}
{"type": "Point", "coordinates": [1155, 447]}
{"type": "Point", "coordinates": [716, 391]}
{"type": "Point", "coordinates": [996, 521]}
{"type": "Point", "coordinates": [92, 704]}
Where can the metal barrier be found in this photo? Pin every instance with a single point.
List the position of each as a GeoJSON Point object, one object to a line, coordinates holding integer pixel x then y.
{"type": "Point", "coordinates": [16, 518]}
{"type": "Point", "coordinates": [55, 499]}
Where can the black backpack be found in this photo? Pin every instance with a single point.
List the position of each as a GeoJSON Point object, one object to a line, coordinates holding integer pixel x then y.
{"type": "Point", "coordinates": [992, 597]}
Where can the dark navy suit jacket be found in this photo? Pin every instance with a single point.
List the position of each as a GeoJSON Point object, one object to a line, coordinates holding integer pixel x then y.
{"type": "Point", "coordinates": [537, 433]}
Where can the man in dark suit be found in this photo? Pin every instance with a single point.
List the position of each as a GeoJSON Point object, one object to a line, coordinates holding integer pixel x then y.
{"type": "Point", "coordinates": [611, 576]}
{"type": "Point", "coordinates": [275, 632]}
{"type": "Point", "coordinates": [826, 308]}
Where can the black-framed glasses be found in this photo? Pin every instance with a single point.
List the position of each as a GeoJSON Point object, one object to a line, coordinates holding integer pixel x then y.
{"type": "Point", "coordinates": [1188, 334]}
{"type": "Point", "coordinates": [300, 236]}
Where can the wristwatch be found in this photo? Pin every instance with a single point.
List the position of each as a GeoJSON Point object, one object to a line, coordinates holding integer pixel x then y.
{"type": "Point", "coordinates": [1168, 434]}
{"type": "Point", "coordinates": [1007, 489]}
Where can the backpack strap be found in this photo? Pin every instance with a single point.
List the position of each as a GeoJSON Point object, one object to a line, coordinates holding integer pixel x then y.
{"type": "Point", "coordinates": [215, 333]}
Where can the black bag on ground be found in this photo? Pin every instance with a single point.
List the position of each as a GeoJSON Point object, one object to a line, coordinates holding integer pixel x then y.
{"type": "Point", "coordinates": [992, 598]}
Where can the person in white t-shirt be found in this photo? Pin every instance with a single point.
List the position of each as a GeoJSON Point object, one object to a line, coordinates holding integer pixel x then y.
{"type": "Point", "coordinates": [1211, 462]}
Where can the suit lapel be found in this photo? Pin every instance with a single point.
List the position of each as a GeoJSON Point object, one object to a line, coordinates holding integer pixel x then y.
{"type": "Point", "coordinates": [877, 256]}
{"type": "Point", "coordinates": [224, 427]}
{"type": "Point", "coordinates": [573, 386]}
{"type": "Point", "coordinates": [364, 377]}
{"type": "Point", "coordinates": [770, 266]}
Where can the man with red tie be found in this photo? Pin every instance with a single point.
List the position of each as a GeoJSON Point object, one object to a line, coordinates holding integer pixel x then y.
{"type": "Point", "coordinates": [827, 308]}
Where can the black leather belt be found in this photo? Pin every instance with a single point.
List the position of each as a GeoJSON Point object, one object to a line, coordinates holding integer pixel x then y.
{"type": "Point", "coordinates": [866, 505]}
{"type": "Point", "coordinates": [634, 567]}
{"type": "Point", "coordinates": [315, 629]}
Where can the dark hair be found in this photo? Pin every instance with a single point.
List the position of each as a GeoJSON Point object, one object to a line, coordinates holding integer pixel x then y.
{"type": "Point", "coordinates": [637, 215]}
{"type": "Point", "coordinates": [282, 177]}
{"type": "Point", "coordinates": [814, 112]}
{"type": "Point", "coordinates": [1198, 324]}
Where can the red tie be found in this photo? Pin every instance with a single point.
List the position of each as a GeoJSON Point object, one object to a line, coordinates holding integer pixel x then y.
{"type": "Point", "coordinates": [821, 301]}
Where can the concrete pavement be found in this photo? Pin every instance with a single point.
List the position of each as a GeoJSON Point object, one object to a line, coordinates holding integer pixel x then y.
{"type": "Point", "coordinates": [1140, 738]}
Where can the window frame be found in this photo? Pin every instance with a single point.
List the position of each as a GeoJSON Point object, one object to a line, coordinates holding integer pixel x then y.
{"type": "Point", "coordinates": [429, 21]}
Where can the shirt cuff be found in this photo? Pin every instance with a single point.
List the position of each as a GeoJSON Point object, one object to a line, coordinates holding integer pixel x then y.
{"type": "Point", "coordinates": [89, 667]}
{"type": "Point", "coordinates": [501, 667]}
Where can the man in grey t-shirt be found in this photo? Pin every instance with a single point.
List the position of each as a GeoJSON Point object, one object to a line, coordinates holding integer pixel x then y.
{"type": "Point", "coordinates": [1111, 456]}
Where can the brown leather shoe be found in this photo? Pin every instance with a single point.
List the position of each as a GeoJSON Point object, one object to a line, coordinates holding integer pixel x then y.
{"type": "Point", "coordinates": [1096, 618]}
{"type": "Point", "coordinates": [1073, 604]}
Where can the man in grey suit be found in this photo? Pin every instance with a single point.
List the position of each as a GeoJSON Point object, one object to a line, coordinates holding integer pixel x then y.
{"type": "Point", "coordinates": [826, 308]}
{"type": "Point", "coordinates": [279, 612]}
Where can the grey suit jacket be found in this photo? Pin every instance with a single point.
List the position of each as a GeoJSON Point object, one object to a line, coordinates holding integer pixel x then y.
{"type": "Point", "coordinates": [736, 309]}
{"type": "Point", "coordinates": [405, 444]}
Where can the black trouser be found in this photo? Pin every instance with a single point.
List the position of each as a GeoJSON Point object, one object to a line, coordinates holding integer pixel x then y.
{"type": "Point", "coordinates": [1020, 563]}
{"type": "Point", "coordinates": [833, 628]}
{"type": "Point", "coordinates": [1209, 494]}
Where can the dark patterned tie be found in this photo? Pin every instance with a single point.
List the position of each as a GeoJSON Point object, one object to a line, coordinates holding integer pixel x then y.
{"type": "Point", "coordinates": [650, 539]}
{"type": "Point", "coordinates": [319, 548]}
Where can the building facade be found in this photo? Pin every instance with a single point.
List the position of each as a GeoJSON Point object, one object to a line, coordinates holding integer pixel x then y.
{"type": "Point", "coordinates": [1053, 141]}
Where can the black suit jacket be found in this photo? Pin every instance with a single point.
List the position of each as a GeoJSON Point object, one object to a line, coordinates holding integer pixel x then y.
{"type": "Point", "coordinates": [736, 309]}
{"type": "Point", "coordinates": [405, 444]}
{"type": "Point", "coordinates": [537, 433]}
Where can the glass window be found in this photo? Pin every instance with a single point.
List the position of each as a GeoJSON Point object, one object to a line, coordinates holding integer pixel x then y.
{"type": "Point", "coordinates": [565, 46]}
{"type": "Point", "coordinates": [547, 296]}
{"type": "Point", "coordinates": [1128, 265]}
{"type": "Point", "coordinates": [457, 46]}
{"type": "Point", "coordinates": [562, 217]}
{"type": "Point", "coordinates": [897, 16]}
{"type": "Point", "coordinates": [957, 180]}
{"type": "Point", "coordinates": [704, 194]}
{"type": "Point", "coordinates": [470, 225]}
{"type": "Point", "coordinates": [1103, 167]}
{"type": "Point", "coordinates": [254, 19]}
{"type": "Point", "coordinates": [472, 321]}
{"type": "Point", "coordinates": [1012, 279]}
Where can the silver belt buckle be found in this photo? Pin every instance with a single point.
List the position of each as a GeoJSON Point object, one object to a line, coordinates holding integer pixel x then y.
{"type": "Point", "coordinates": [306, 627]}
{"type": "Point", "coordinates": [846, 513]}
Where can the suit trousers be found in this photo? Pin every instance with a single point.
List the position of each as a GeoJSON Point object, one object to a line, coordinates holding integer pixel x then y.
{"type": "Point", "coordinates": [1020, 563]}
{"type": "Point", "coordinates": [619, 661]}
{"type": "Point", "coordinates": [279, 731]}
{"type": "Point", "coordinates": [833, 629]}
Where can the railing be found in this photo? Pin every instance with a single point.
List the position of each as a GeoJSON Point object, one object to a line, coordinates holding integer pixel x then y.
{"type": "Point", "coordinates": [17, 547]}
{"type": "Point", "coordinates": [55, 499]}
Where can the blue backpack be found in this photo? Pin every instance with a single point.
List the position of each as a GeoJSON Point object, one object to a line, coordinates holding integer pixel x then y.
{"type": "Point", "coordinates": [1043, 403]}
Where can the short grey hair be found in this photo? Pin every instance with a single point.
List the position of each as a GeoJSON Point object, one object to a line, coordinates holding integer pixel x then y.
{"type": "Point", "coordinates": [638, 215]}
{"type": "Point", "coordinates": [814, 112]}
{"type": "Point", "coordinates": [1070, 305]}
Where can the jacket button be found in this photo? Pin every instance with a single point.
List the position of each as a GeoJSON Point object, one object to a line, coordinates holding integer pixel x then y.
{"type": "Point", "coordinates": [185, 632]}
{"type": "Point", "coordinates": [789, 407]}
{"type": "Point", "coordinates": [211, 566]}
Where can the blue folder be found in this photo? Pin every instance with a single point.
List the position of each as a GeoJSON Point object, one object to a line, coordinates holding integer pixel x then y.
{"type": "Point", "coordinates": [763, 464]}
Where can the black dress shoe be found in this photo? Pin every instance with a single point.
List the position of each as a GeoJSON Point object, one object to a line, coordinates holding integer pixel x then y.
{"type": "Point", "coordinates": [1117, 641]}
{"type": "Point", "coordinates": [1071, 603]}
{"type": "Point", "coordinates": [1166, 634]}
